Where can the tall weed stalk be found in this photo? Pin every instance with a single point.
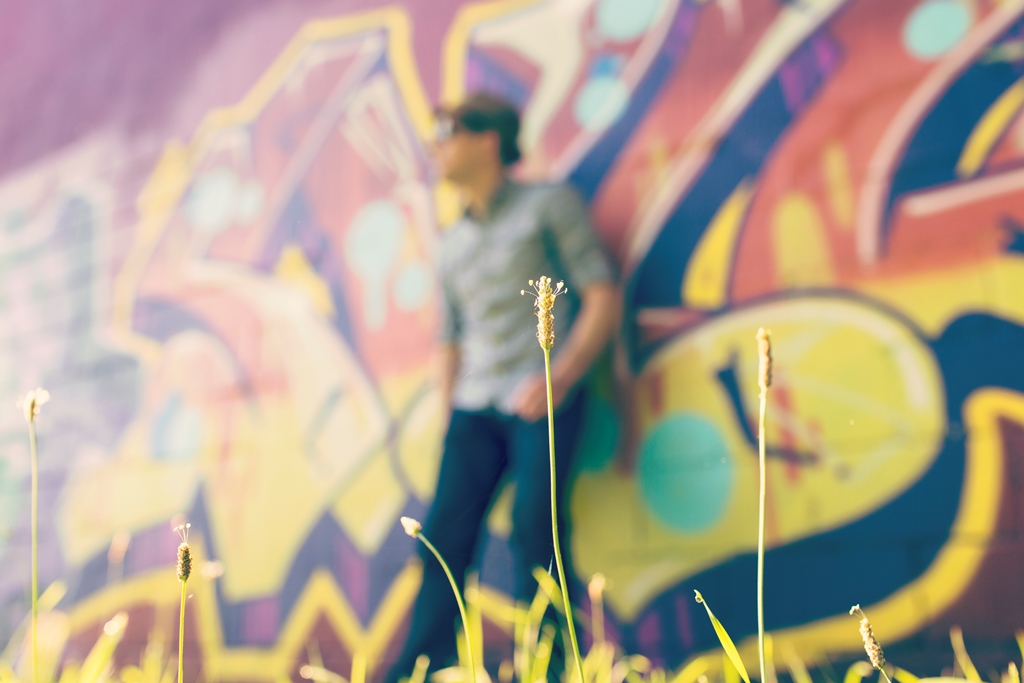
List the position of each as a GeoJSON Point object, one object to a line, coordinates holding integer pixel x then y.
{"type": "Point", "coordinates": [764, 380]}
{"type": "Point", "coordinates": [544, 305]}
{"type": "Point", "coordinates": [415, 529]}
{"type": "Point", "coordinates": [31, 404]}
{"type": "Point", "coordinates": [184, 570]}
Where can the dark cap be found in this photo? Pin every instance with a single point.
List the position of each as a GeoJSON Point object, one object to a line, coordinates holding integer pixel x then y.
{"type": "Point", "coordinates": [482, 112]}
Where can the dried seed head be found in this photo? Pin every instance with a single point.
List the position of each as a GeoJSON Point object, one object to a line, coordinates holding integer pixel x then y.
{"type": "Point", "coordinates": [545, 303]}
{"type": "Point", "coordinates": [31, 402]}
{"type": "Point", "coordinates": [871, 646]}
{"type": "Point", "coordinates": [182, 531]}
{"type": "Point", "coordinates": [184, 552]}
{"type": "Point", "coordinates": [184, 561]}
{"type": "Point", "coordinates": [411, 526]}
{"type": "Point", "coordinates": [764, 357]}
{"type": "Point", "coordinates": [596, 587]}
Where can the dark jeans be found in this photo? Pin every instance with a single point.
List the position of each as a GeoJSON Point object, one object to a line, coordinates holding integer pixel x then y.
{"type": "Point", "coordinates": [479, 449]}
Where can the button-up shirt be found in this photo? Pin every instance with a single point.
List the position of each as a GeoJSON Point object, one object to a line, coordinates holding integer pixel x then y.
{"type": "Point", "coordinates": [485, 263]}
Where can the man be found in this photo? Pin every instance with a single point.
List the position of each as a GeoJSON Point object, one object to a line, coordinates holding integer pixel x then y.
{"type": "Point", "coordinates": [492, 380]}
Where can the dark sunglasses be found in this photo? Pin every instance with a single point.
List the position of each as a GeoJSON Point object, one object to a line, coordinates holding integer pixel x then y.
{"type": "Point", "coordinates": [445, 129]}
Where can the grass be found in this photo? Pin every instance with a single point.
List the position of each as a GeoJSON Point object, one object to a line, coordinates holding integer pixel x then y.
{"type": "Point", "coordinates": [415, 529]}
{"type": "Point", "coordinates": [546, 295]}
{"type": "Point", "coordinates": [533, 639]}
{"type": "Point", "coordinates": [533, 646]}
{"type": "Point", "coordinates": [31, 404]}
{"type": "Point", "coordinates": [183, 570]}
{"type": "Point", "coordinates": [872, 647]}
{"type": "Point", "coordinates": [97, 664]}
{"type": "Point", "coordinates": [764, 380]}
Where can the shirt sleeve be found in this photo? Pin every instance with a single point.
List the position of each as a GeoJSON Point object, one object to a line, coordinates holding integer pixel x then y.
{"type": "Point", "coordinates": [579, 250]}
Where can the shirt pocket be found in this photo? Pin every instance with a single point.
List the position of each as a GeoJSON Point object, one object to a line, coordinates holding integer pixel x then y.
{"type": "Point", "coordinates": [517, 252]}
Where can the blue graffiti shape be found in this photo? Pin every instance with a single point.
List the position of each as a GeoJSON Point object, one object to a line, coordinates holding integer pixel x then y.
{"type": "Point", "coordinates": [727, 378]}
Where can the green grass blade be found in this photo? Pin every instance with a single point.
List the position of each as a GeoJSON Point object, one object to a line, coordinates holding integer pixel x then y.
{"type": "Point", "coordinates": [696, 668]}
{"type": "Point", "coordinates": [956, 638]}
{"type": "Point", "coordinates": [419, 672]}
{"type": "Point", "coordinates": [857, 672]}
{"type": "Point", "coordinates": [101, 657]}
{"type": "Point", "coordinates": [542, 658]}
{"type": "Point", "coordinates": [458, 599]}
{"type": "Point", "coordinates": [547, 584]}
{"type": "Point", "coordinates": [904, 676]}
{"type": "Point", "coordinates": [723, 637]}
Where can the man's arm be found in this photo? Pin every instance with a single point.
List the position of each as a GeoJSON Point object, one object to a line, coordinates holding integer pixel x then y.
{"type": "Point", "coordinates": [449, 367]}
{"type": "Point", "coordinates": [588, 269]}
{"type": "Point", "coordinates": [450, 334]}
{"type": "Point", "coordinates": [597, 319]}
{"type": "Point", "coordinates": [595, 323]}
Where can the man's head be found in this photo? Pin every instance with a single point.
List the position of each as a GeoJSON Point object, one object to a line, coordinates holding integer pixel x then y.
{"type": "Point", "coordinates": [478, 134]}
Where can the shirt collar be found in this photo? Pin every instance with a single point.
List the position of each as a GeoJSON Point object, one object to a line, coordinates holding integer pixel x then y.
{"type": "Point", "coordinates": [501, 195]}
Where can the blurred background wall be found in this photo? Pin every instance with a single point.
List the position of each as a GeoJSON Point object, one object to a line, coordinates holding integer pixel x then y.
{"type": "Point", "coordinates": [217, 221]}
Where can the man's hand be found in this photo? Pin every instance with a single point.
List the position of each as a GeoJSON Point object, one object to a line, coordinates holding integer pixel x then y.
{"type": "Point", "coordinates": [530, 399]}
{"type": "Point", "coordinates": [448, 367]}
{"type": "Point", "coordinates": [598, 316]}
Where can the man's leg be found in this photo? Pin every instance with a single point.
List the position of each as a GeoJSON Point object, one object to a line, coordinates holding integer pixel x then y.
{"type": "Point", "coordinates": [531, 541]}
{"type": "Point", "coordinates": [474, 458]}
{"type": "Point", "coordinates": [531, 512]}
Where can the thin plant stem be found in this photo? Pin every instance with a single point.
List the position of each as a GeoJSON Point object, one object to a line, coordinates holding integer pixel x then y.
{"type": "Point", "coordinates": [554, 519]}
{"type": "Point", "coordinates": [458, 599]}
{"type": "Point", "coordinates": [762, 461]}
{"type": "Point", "coordinates": [885, 675]}
{"type": "Point", "coordinates": [35, 550]}
{"type": "Point", "coordinates": [596, 590]}
{"type": "Point", "coordinates": [181, 635]}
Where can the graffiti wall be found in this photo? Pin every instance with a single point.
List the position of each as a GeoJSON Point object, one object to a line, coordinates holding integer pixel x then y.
{"type": "Point", "coordinates": [217, 224]}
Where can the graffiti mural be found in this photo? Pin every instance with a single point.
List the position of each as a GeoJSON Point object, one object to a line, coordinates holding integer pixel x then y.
{"type": "Point", "coordinates": [234, 310]}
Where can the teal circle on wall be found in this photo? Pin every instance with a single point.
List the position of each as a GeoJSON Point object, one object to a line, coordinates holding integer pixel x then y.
{"type": "Point", "coordinates": [685, 471]}
{"type": "Point", "coordinates": [601, 100]}
{"type": "Point", "coordinates": [624, 20]}
{"type": "Point", "coordinates": [935, 27]}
